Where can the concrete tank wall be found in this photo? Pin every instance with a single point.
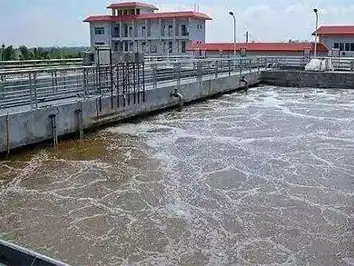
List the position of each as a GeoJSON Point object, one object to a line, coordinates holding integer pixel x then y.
{"type": "Point", "coordinates": [32, 127]}
{"type": "Point", "coordinates": [293, 78]}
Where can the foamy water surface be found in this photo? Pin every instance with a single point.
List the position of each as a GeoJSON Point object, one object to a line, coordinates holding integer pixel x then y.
{"type": "Point", "coordinates": [263, 178]}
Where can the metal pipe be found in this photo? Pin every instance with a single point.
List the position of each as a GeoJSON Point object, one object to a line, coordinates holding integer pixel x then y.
{"type": "Point", "coordinates": [178, 95]}
{"type": "Point", "coordinates": [79, 115]}
{"type": "Point", "coordinates": [245, 81]}
{"type": "Point", "coordinates": [53, 121]}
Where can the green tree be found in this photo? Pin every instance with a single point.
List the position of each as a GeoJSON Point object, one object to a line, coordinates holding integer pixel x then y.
{"type": "Point", "coordinates": [8, 53]}
{"type": "Point", "coordinates": [2, 51]}
{"type": "Point", "coordinates": [35, 53]}
{"type": "Point", "coordinates": [25, 54]}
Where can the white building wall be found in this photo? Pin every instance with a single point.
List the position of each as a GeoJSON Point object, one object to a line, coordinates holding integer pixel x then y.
{"type": "Point", "coordinates": [329, 41]}
{"type": "Point", "coordinates": [156, 35]}
{"type": "Point", "coordinates": [106, 38]}
{"type": "Point", "coordinates": [197, 30]}
{"type": "Point", "coordinates": [155, 28]}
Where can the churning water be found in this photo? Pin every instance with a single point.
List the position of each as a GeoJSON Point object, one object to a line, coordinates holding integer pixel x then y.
{"type": "Point", "coordinates": [265, 177]}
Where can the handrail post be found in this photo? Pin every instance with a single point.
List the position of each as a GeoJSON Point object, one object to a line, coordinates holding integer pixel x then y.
{"type": "Point", "coordinates": [30, 85]}
{"type": "Point", "coordinates": [240, 65]}
{"type": "Point", "coordinates": [178, 75]}
{"type": "Point", "coordinates": [154, 76]}
{"type": "Point", "coordinates": [2, 92]}
{"type": "Point", "coordinates": [35, 89]}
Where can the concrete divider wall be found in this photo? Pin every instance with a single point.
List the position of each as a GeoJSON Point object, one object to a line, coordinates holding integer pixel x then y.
{"type": "Point", "coordinates": [293, 78]}
{"type": "Point", "coordinates": [32, 127]}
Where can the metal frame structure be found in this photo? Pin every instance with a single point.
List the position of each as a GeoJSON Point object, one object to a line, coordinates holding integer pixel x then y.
{"type": "Point", "coordinates": [126, 83]}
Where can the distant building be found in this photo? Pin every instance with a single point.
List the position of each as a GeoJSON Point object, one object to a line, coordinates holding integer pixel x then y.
{"type": "Point", "coordinates": [337, 38]}
{"type": "Point", "coordinates": [256, 49]}
{"type": "Point", "coordinates": [136, 27]}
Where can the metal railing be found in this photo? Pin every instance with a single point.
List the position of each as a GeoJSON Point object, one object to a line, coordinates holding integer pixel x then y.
{"type": "Point", "coordinates": [38, 87]}
{"type": "Point", "coordinates": [45, 63]}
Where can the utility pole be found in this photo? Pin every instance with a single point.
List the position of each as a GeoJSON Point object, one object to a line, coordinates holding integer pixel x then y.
{"type": "Point", "coordinates": [247, 36]}
{"type": "Point", "coordinates": [316, 32]}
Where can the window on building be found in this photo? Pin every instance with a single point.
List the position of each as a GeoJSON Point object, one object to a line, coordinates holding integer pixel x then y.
{"type": "Point", "coordinates": [183, 46]}
{"type": "Point", "coordinates": [170, 47]}
{"type": "Point", "coordinates": [164, 48]}
{"type": "Point", "coordinates": [336, 45]}
{"type": "Point", "coordinates": [170, 30]}
{"type": "Point", "coordinates": [352, 47]}
{"type": "Point", "coordinates": [131, 44]}
{"type": "Point", "coordinates": [143, 31]}
{"type": "Point", "coordinates": [99, 30]}
{"type": "Point", "coordinates": [341, 46]}
{"type": "Point", "coordinates": [184, 31]}
{"type": "Point", "coordinates": [143, 47]}
{"type": "Point", "coordinates": [153, 48]}
{"type": "Point", "coordinates": [126, 46]}
{"type": "Point", "coordinates": [116, 46]}
{"type": "Point", "coordinates": [125, 12]}
{"type": "Point", "coordinates": [125, 30]}
{"type": "Point", "coordinates": [100, 43]}
{"type": "Point", "coordinates": [130, 31]}
{"type": "Point", "coordinates": [347, 46]}
{"type": "Point", "coordinates": [116, 31]}
{"type": "Point", "coordinates": [120, 12]}
{"type": "Point", "coordinates": [131, 12]}
{"type": "Point", "coordinates": [138, 11]}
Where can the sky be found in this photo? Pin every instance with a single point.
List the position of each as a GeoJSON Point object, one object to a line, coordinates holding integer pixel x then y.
{"type": "Point", "coordinates": [59, 22]}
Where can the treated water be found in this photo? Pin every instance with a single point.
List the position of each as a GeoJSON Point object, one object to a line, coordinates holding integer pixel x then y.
{"type": "Point", "coordinates": [265, 177]}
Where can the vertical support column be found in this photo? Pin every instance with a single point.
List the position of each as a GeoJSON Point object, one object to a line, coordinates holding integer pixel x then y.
{"type": "Point", "coordinates": [229, 62]}
{"type": "Point", "coordinates": [146, 30]}
{"type": "Point", "coordinates": [258, 67]}
{"type": "Point", "coordinates": [174, 29]}
{"type": "Point", "coordinates": [120, 30]}
{"type": "Point", "coordinates": [53, 123]}
{"type": "Point", "coordinates": [133, 29]}
{"type": "Point", "coordinates": [160, 29]}
{"type": "Point", "coordinates": [8, 138]}
{"type": "Point", "coordinates": [216, 69]}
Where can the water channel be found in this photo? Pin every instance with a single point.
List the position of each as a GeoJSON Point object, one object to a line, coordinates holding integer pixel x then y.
{"type": "Point", "coordinates": [264, 177]}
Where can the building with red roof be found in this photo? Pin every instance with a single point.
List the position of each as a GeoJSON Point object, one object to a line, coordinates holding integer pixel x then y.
{"type": "Point", "coordinates": [137, 27]}
{"type": "Point", "coordinates": [257, 48]}
{"type": "Point", "coordinates": [338, 39]}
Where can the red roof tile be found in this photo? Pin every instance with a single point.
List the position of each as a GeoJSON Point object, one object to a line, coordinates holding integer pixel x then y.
{"type": "Point", "coordinates": [335, 30]}
{"type": "Point", "coordinates": [131, 5]}
{"type": "Point", "coordinates": [181, 14]}
{"type": "Point", "coordinates": [256, 47]}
